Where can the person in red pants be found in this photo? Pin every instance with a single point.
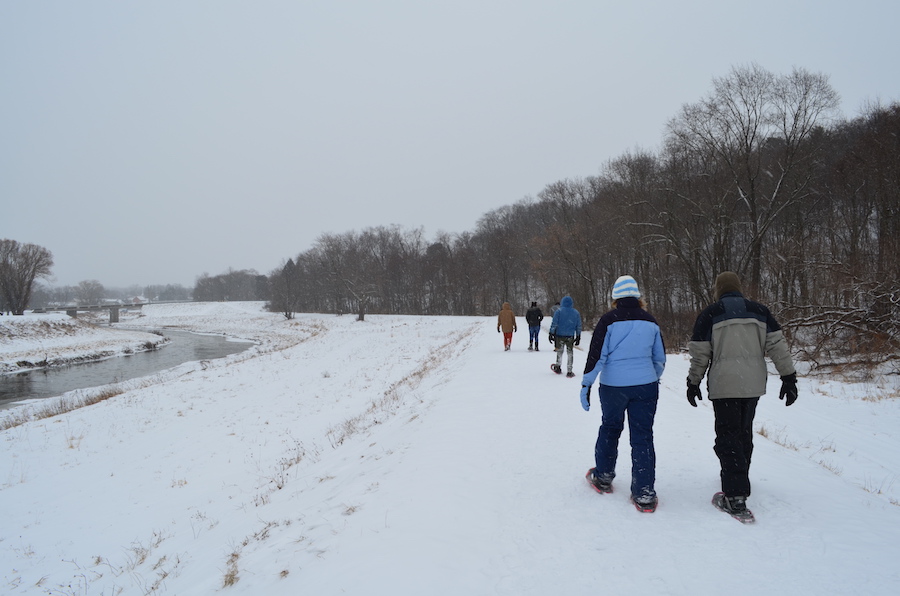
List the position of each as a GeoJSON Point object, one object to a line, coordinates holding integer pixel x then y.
{"type": "Point", "coordinates": [506, 322]}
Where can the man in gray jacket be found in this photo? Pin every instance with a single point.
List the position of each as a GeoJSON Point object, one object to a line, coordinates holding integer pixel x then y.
{"type": "Point", "coordinates": [730, 341]}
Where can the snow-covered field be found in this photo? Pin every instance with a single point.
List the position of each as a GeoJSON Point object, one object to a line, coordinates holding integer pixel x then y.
{"type": "Point", "coordinates": [412, 455]}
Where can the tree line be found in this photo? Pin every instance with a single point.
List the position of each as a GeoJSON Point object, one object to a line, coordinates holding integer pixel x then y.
{"type": "Point", "coordinates": [760, 177]}
{"type": "Point", "coordinates": [92, 291]}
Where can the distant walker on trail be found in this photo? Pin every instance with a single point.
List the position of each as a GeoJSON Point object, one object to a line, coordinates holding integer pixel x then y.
{"type": "Point", "coordinates": [533, 317]}
{"type": "Point", "coordinates": [506, 322]}
{"type": "Point", "coordinates": [565, 333]}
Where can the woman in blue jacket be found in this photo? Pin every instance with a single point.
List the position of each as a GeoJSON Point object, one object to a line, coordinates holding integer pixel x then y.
{"type": "Point", "coordinates": [628, 355]}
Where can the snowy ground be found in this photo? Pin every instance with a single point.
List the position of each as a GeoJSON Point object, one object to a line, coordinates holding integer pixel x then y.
{"type": "Point", "coordinates": [35, 341]}
{"type": "Point", "coordinates": [412, 455]}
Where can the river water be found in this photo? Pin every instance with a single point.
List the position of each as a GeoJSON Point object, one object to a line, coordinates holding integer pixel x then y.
{"type": "Point", "coordinates": [184, 347]}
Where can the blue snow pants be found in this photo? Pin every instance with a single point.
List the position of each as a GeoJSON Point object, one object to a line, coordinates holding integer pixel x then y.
{"type": "Point", "coordinates": [639, 403]}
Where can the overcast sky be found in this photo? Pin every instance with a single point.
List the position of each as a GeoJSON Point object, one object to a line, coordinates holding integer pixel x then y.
{"type": "Point", "coordinates": [151, 142]}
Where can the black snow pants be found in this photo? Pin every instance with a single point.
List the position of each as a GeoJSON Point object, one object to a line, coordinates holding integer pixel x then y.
{"type": "Point", "coordinates": [734, 442]}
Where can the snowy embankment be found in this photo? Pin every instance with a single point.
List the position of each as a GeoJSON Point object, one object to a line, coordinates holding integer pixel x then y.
{"type": "Point", "coordinates": [33, 341]}
{"type": "Point", "coordinates": [412, 455]}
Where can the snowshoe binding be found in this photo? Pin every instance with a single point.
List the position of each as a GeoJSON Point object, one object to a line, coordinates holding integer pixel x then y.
{"type": "Point", "coordinates": [645, 504]}
{"type": "Point", "coordinates": [556, 368]}
{"type": "Point", "coordinates": [736, 507]}
{"type": "Point", "coordinates": [597, 484]}
{"type": "Point", "coordinates": [570, 374]}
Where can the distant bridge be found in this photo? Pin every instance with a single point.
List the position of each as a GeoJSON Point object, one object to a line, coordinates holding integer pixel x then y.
{"type": "Point", "coordinates": [113, 309]}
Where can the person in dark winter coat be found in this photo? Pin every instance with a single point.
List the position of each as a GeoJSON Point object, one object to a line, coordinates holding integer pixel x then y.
{"type": "Point", "coordinates": [729, 343]}
{"type": "Point", "coordinates": [553, 309]}
{"type": "Point", "coordinates": [534, 316]}
{"type": "Point", "coordinates": [628, 355]}
{"type": "Point", "coordinates": [506, 322]}
{"type": "Point", "coordinates": [565, 333]}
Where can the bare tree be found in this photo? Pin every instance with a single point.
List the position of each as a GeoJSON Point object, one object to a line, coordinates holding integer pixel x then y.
{"type": "Point", "coordinates": [285, 289]}
{"type": "Point", "coordinates": [20, 266]}
{"type": "Point", "coordinates": [90, 292]}
{"type": "Point", "coordinates": [752, 136]}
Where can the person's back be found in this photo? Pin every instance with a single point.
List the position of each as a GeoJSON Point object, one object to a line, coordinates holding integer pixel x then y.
{"type": "Point", "coordinates": [533, 317]}
{"type": "Point", "coordinates": [566, 320]}
{"type": "Point", "coordinates": [729, 343]}
{"type": "Point", "coordinates": [628, 356]}
{"type": "Point", "coordinates": [565, 332]}
{"type": "Point", "coordinates": [732, 337]}
{"type": "Point", "coordinates": [627, 346]}
{"type": "Point", "coordinates": [506, 322]}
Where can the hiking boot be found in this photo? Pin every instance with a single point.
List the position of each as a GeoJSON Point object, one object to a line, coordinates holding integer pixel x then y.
{"type": "Point", "coordinates": [734, 506]}
{"type": "Point", "coordinates": [530, 348]}
{"type": "Point", "coordinates": [645, 503]}
{"type": "Point", "coordinates": [570, 374]}
{"type": "Point", "coordinates": [601, 485]}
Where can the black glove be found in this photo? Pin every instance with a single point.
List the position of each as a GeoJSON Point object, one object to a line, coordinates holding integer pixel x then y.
{"type": "Point", "coordinates": [693, 393]}
{"type": "Point", "coordinates": [552, 339]}
{"type": "Point", "coordinates": [788, 388]}
{"type": "Point", "coordinates": [577, 339]}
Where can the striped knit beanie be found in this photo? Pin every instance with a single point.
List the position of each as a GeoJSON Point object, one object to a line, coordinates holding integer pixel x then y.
{"type": "Point", "coordinates": [625, 287]}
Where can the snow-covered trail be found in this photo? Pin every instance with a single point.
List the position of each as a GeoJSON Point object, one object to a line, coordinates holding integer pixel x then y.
{"type": "Point", "coordinates": [410, 455]}
{"type": "Point", "coordinates": [487, 496]}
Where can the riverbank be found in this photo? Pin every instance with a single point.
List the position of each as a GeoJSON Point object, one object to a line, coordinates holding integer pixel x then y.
{"type": "Point", "coordinates": [43, 340]}
{"type": "Point", "coordinates": [90, 338]}
{"type": "Point", "coordinates": [237, 320]}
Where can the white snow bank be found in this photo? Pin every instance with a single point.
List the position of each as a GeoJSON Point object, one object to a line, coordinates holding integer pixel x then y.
{"type": "Point", "coordinates": [34, 340]}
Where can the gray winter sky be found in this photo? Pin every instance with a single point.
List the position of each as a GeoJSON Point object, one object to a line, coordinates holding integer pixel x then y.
{"type": "Point", "coordinates": [150, 142]}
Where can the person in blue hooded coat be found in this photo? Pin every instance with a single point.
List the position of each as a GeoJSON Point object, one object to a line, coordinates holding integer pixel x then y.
{"type": "Point", "coordinates": [565, 333]}
{"type": "Point", "coordinates": [628, 356]}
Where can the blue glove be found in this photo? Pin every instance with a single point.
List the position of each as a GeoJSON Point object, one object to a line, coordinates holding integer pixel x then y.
{"type": "Point", "coordinates": [586, 397]}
